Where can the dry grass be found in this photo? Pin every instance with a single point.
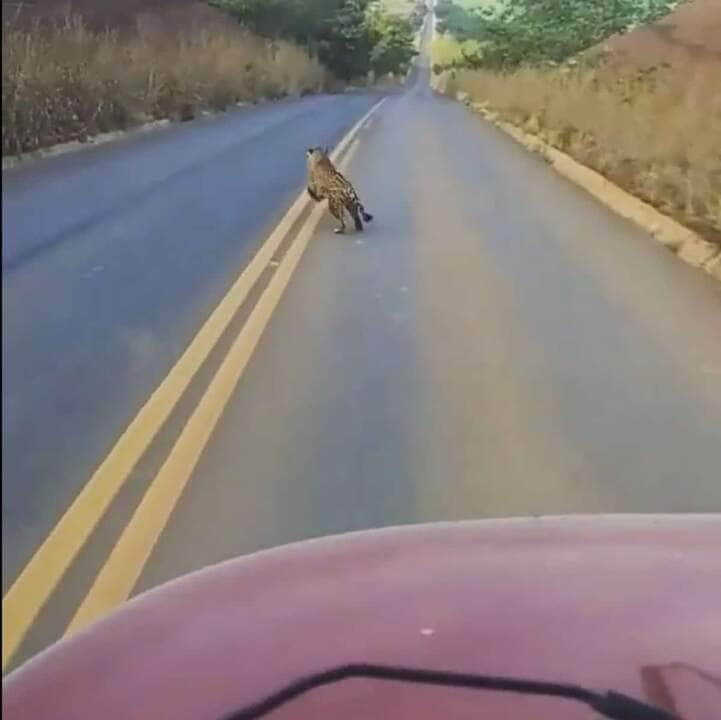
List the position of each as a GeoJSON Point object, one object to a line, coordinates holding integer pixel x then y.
{"type": "Point", "coordinates": [62, 81]}
{"type": "Point", "coordinates": [657, 135]}
{"type": "Point", "coordinates": [446, 49]}
{"type": "Point", "coordinates": [399, 7]}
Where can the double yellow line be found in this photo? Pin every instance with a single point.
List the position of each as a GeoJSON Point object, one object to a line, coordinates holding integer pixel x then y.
{"type": "Point", "coordinates": [115, 581]}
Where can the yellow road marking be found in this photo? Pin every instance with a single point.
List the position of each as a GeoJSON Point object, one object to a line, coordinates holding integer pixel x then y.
{"type": "Point", "coordinates": [118, 576]}
{"type": "Point", "coordinates": [30, 591]}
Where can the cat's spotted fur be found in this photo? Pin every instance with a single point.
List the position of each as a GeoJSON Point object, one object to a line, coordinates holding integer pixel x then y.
{"type": "Point", "coordinates": [325, 182]}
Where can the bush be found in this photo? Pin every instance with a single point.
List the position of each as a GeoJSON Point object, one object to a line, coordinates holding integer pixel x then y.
{"type": "Point", "coordinates": [62, 81]}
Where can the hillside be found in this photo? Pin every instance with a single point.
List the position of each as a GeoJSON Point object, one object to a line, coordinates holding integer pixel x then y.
{"type": "Point", "coordinates": [65, 78]}
{"type": "Point", "coordinates": [105, 13]}
{"type": "Point", "coordinates": [648, 117]}
{"type": "Point", "coordinates": [690, 34]}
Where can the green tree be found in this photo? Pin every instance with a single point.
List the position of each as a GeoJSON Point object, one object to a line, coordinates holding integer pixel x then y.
{"type": "Point", "coordinates": [350, 37]}
{"type": "Point", "coordinates": [347, 45]}
{"type": "Point", "coordinates": [334, 30]}
{"type": "Point", "coordinates": [391, 38]}
{"type": "Point", "coordinates": [538, 31]}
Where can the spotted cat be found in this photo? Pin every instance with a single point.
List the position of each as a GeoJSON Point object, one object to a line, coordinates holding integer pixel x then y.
{"type": "Point", "coordinates": [325, 182]}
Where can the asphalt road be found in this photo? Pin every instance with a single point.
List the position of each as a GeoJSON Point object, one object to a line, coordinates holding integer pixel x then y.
{"type": "Point", "coordinates": [496, 343]}
{"type": "Point", "coordinates": [112, 258]}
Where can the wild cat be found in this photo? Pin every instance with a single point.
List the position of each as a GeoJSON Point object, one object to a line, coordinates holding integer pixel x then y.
{"type": "Point", "coordinates": [325, 182]}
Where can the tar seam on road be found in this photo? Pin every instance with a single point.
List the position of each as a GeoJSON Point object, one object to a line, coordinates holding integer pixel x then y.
{"type": "Point", "coordinates": [31, 590]}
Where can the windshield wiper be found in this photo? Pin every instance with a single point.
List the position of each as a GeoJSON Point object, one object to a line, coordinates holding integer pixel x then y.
{"type": "Point", "coordinates": [609, 704]}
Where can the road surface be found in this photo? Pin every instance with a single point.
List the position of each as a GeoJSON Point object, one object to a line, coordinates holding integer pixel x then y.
{"type": "Point", "coordinates": [496, 343]}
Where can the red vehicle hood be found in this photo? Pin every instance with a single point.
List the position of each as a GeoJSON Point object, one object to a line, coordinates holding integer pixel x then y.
{"type": "Point", "coordinates": [630, 603]}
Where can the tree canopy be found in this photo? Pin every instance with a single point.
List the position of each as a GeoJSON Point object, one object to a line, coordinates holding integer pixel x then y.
{"type": "Point", "coordinates": [351, 37]}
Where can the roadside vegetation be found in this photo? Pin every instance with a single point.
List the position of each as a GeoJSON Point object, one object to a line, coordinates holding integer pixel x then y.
{"type": "Point", "coordinates": [352, 38]}
{"type": "Point", "coordinates": [63, 81]}
{"type": "Point", "coordinates": [413, 10]}
{"type": "Point", "coordinates": [69, 77]}
{"type": "Point", "coordinates": [523, 32]}
{"type": "Point", "coordinates": [447, 51]}
{"type": "Point", "coordinates": [653, 129]}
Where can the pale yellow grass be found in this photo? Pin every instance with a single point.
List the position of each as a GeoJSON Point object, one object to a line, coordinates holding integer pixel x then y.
{"type": "Point", "coordinates": [65, 82]}
{"type": "Point", "coordinates": [446, 49]}
{"type": "Point", "coordinates": [658, 137]}
{"type": "Point", "coordinates": [404, 8]}
{"type": "Point", "coordinates": [496, 5]}
{"type": "Point", "coordinates": [399, 7]}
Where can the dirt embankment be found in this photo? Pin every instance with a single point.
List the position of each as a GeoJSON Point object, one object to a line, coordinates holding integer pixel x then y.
{"type": "Point", "coordinates": [691, 34]}
{"type": "Point", "coordinates": [648, 118]}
